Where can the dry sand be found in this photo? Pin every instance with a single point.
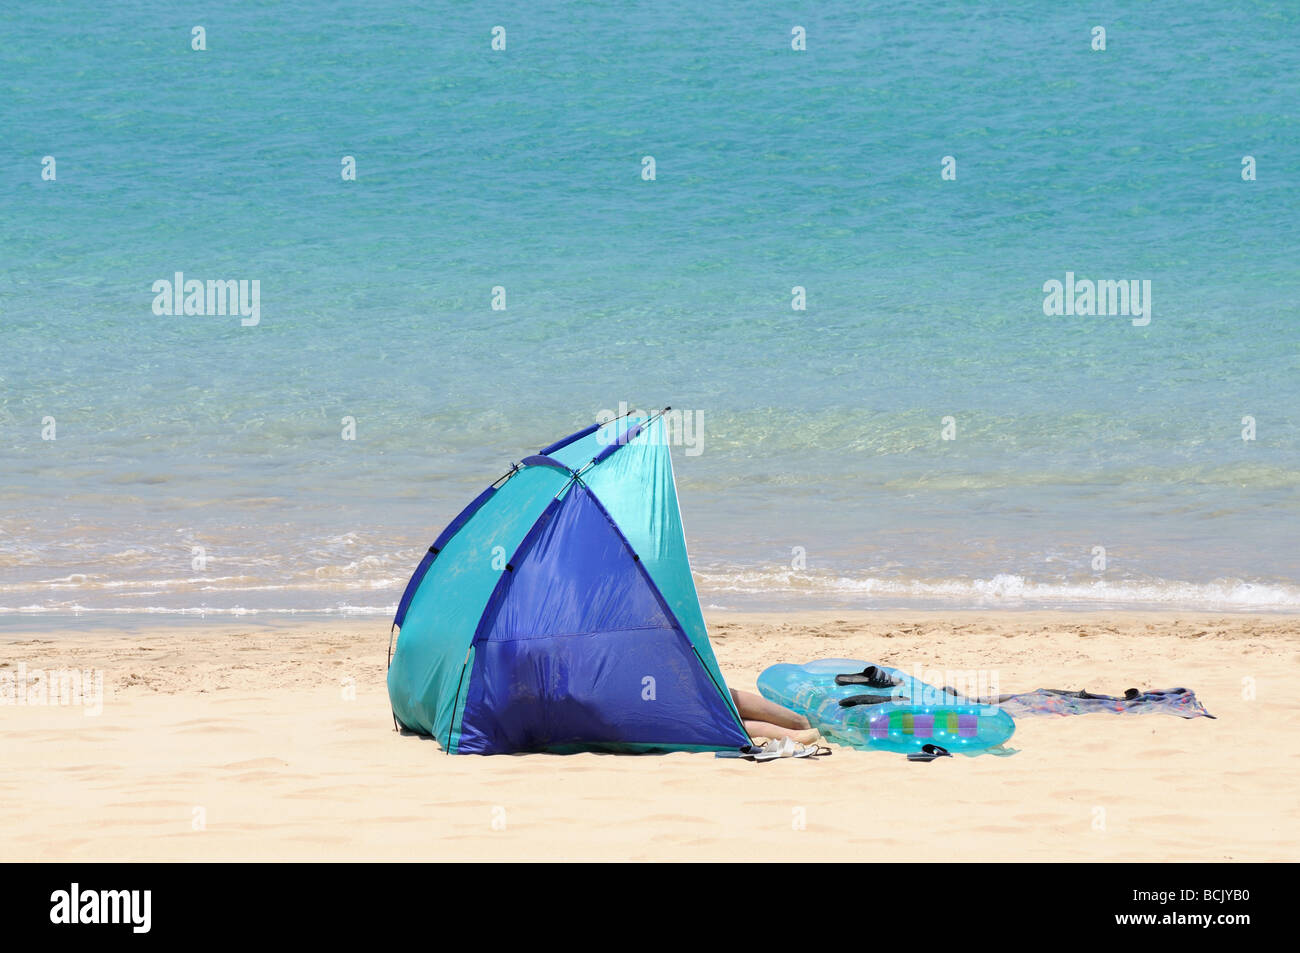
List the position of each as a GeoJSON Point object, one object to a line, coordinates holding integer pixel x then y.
{"type": "Point", "coordinates": [227, 742]}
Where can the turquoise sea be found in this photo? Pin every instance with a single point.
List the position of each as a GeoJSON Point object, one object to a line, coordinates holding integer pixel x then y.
{"type": "Point", "coordinates": [198, 465]}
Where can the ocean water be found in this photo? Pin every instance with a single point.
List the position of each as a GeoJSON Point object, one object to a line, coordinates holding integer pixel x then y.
{"type": "Point", "coordinates": [198, 465]}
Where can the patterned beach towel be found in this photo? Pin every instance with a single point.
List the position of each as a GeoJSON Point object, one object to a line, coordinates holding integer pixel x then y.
{"type": "Point", "coordinates": [1055, 701]}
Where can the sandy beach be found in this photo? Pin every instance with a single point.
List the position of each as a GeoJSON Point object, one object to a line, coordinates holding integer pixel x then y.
{"type": "Point", "coordinates": [251, 742]}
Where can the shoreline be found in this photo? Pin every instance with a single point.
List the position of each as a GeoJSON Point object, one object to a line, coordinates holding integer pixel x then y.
{"type": "Point", "coordinates": [110, 623]}
{"type": "Point", "coordinates": [238, 740]}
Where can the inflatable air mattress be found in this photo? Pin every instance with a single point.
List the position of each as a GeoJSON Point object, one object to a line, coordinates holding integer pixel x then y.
{"type": "Point", "coordinates": [886, 710]}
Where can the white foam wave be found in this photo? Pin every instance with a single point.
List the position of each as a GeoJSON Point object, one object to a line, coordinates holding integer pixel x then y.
{"type": "Point", "coordinates": [1005, 589]}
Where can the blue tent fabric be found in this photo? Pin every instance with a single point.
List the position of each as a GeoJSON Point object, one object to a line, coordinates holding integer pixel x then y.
{"type": "Point", "coordinates": [578, 648]}
{"type": "Point", "coordinates": [589, 636]}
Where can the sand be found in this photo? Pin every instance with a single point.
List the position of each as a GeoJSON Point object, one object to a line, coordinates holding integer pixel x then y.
{"type": "Point", "coordinates": [221, 742]}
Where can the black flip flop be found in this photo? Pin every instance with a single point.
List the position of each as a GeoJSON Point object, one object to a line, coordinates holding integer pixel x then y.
{"type": "Point", "coordinates": [871, 676]}
{"type": "Point", "coordinates": [854, 700]}
{"type": "Point", "coordinates": [929, 753]}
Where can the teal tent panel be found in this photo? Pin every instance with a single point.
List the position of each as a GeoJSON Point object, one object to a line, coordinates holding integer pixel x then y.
{"type": "Point", "coordinates": [425, 676]}
{"type": "Point", "coordinates": [635, 485]}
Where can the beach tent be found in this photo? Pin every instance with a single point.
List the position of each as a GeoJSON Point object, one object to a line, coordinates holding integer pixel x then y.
{"type": "Point", "coordinates": [557, 612]}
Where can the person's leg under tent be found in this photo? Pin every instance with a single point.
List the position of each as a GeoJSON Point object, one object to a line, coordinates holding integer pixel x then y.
{"type": "Point", "coordinates": [769, 720]}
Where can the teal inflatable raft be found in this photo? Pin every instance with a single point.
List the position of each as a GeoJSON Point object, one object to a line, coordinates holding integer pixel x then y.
{"type": "Point", "coordinates": [878, 708]}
